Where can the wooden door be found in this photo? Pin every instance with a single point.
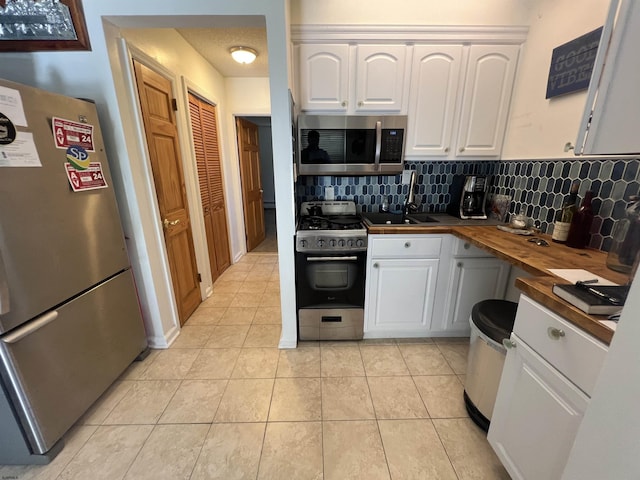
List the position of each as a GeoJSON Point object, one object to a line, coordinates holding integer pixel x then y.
{"type": "Point", "coordinates": [156, 103]}
{"type": "Point", "coordinates": [249, 151]}
{"type": "Point", "coordinates": [204, 132]}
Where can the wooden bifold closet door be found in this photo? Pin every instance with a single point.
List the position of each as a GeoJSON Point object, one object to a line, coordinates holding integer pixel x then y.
{"type": "Point", "coordinates": [205, 141]}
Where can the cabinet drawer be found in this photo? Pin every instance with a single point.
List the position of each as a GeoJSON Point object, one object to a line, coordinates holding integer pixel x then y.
{"type": "Point", "coordinates": [462, 248]}
{"type": "Point", "coordinates": [575, 353]}
{"type": "Point", "coordinates": [419, 246]}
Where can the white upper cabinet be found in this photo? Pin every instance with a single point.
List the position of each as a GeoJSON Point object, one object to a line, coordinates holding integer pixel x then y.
{"type": "Point", "coordinates": [487, 93]}
{"type": "Point", "coordinates": [380, 78]}
{"type": "Point", "coordinates": [435, 73]}
{"type": "Point", "coordinates": [611, 121]}
{"type": "Point", "coordinates": [324, 77]}
{"type": "Point", "coordinates": [378, 73]}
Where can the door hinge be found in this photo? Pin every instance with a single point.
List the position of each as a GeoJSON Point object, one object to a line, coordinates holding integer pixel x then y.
{"type": "Point", "coordinates": [174, 104]}
{"type": "Point", "coordinates": [200, 278]}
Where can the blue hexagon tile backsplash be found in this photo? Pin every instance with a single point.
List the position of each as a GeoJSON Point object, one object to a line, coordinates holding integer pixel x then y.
{"type": "Point", "coordinates": [537, 188]}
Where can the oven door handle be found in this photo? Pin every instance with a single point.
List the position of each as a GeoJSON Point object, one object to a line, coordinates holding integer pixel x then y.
{"type": "Point", "coordinates": [352, 258]}
{"type": "Point", "coordinates": [378, 144]}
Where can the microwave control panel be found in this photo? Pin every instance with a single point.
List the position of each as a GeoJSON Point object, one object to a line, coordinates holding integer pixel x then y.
{"type": "Point", "coordinates": [392, 141]}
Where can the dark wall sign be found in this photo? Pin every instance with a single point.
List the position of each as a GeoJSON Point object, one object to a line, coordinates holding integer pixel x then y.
{"type": "Point", "coordinates": [572, 64]}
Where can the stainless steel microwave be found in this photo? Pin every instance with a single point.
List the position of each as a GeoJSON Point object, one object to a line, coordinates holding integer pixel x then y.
{"type": "Point", "coordinates": [351, 145]}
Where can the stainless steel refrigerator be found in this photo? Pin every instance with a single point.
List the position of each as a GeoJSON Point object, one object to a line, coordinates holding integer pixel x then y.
{"type": "Point", "coordinates": [70, 321]}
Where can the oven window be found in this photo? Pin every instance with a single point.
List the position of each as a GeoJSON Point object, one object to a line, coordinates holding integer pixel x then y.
{"type": "Point", "coordinates": [331, 275]}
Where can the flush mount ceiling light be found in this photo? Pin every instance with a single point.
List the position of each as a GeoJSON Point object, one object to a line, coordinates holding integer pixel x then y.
{"type": "Point", "coordinates": [244, 55]}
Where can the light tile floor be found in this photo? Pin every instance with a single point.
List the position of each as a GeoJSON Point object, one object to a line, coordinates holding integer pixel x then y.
{"type": "Point", "coordinates": [224, 403]}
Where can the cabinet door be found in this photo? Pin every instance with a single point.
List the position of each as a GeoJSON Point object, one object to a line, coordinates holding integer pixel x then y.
{"type": "Point", "coordinates": [485, 105]}
{"type": "Point", "coordinates": [400, 295]}
{"type": "Point", "coordinates": [611, 122]}
{"type": "Point", "coordinates": [536, 416]}
{"type": "Point", "coordinates": [474, 280]}
{"type": "Point", "coordinates": [380, 78]}
{"type": "Point", "coordinates": [435, 75]}
{"type": "Point", "coordinates": [324, 77]}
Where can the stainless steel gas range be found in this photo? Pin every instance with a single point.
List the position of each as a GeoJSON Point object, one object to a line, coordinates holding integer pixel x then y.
{"type": "Point", "coordinates": [331, 250]}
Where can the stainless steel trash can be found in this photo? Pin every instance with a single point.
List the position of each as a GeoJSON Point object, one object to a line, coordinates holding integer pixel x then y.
{"type": "Point", "coordinates": [491, 322]}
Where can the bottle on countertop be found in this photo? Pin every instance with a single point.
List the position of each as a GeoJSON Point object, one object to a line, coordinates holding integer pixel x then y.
{"type": "Point", "coordinates": [565, 215]}
{"type": "Point", "coordinates": [625, 248]}
{"type": "Point", "coordinates": [580, 230]}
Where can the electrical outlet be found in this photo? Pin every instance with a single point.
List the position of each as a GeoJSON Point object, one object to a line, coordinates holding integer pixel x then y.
{"type": "Point", "coordinates": [406, 177]}
{"type": "Point", "coordinates": [329, 194]}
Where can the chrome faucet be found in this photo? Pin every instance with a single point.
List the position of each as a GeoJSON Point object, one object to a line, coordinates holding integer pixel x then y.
{"type": "Point", "coordinates": [409, 202]}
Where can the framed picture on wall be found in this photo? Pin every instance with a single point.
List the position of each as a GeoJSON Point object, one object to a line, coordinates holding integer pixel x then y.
{"type": "Point", "coordinates": [42, 25]}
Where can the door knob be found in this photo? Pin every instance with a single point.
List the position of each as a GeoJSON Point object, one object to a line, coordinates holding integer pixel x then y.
{"type": "Point", "coordinates": [507, 343]}
{"type": "Point", "coordinates": [166, 223]}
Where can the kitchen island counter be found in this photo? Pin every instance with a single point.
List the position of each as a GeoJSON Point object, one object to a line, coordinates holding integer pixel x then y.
{"type": "Point", "coordinates": [534, 259]}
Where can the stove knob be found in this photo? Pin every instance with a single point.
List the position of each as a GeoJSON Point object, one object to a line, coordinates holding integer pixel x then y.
{"type": "Point", "coordinates": [360, 243]}
{"type": "Point", "coordinates": [320, 242]}
{"type": "Point", "coordinates": [341, 243]}
{"type": "Point", "coordinates": [332, 243]}
{"type": "Point", "coordinates": [303, 243]}
{"type": "Point", "coordinates": [350, 243]}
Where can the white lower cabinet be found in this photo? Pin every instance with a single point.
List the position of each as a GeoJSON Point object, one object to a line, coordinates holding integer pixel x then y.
{"type": "Point", "coordinates": [471, 281]}
{"type": "Point", "coordinates": [402, 274]}
{"type": "Point", "coordinates": [539, 405]}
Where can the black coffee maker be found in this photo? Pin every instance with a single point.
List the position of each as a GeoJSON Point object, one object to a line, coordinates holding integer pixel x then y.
{"type": "Point", "coordinates": [468, 197]}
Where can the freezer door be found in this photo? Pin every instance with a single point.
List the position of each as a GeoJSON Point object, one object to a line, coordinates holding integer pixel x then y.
{"type": "Point", "coordinates": [57, 365]}
{"type": "Point", "coordinates": [54, 243]}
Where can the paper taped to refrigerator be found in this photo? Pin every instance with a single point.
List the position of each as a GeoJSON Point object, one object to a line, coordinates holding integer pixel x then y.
{"type": "Point", "coordinates": [21, 152]}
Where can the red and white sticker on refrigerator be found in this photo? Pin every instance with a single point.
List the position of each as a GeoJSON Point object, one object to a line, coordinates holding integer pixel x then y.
{"type": "Point", "coordinates": [67, 133]}
{"type": "Point", "coordinates": [91, 178]}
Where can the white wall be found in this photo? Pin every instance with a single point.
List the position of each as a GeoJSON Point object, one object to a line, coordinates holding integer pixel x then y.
{"type": "Point", "coordinates": [537, 127]}
{"type": "Point", "coordinates": [101, 74]}
{"type": "Point", "coordinates": [411, 12]}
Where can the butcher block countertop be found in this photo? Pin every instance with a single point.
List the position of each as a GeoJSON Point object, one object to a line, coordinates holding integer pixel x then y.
{"type": "Point", "coordinates": [536, 260]}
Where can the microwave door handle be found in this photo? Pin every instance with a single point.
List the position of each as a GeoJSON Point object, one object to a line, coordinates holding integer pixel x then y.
{"type": "Point", "coordinates": [378, 144]}
{"type": "Point", "coordinates": [5, 304]}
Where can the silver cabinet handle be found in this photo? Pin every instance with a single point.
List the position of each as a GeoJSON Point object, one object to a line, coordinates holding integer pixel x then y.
{"type": "Point", "coordinates": [461, 149]}
{"type": "Point", "coordinates": [460, 264]}
{"type": "Point", "coordinates": [407, 244]}
{"type": "Point", "coordinates": [375, 265]}
{"type": "Point", "coordinates": [5, 304]}
{"type": "Point", "coordinates": [467, 246]}
{"type": "Point", "coordinates": [344, 104]}
{"type": "Point", "coordinates": [167, 223]}
{"type": "Point", "coordinates": [446, 150]}
{"type": "Point", "coordinates": [555, 333]}
{"type": "Point", "coordinates": [360, 103]}
{"type": "Point", "coordinates": [30, 327]}
{"type": "Point", "coordinates": [507, 343]}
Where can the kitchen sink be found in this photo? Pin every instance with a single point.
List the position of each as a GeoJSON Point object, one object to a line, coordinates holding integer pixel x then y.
{"type": "Point", "coordinates": [422, 218]}
{"type": "Point", "coordinates": [386, 218]}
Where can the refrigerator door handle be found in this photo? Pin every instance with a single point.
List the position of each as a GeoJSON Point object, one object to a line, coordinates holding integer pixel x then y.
{"type": "Point", "coordinates": [29, 328]}
{"type": "Point", "coordinates": [5, 305]}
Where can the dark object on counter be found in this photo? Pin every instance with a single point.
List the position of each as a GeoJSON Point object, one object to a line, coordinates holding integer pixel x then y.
{"type": "Point", "coordinates": [565, 215]}
{"type": "Point", "coordinates": [491, 323]}
{"type": "Point", "coordinates": [592, 299]}
{"type": "Point", "coordinates": [468, 197]}
{"type": "Point", "coordinates": [626, 239]}
{"type": "Point", "coordinates": [315, 210]}
{"type": "Point", "coordinates": [579, 232]}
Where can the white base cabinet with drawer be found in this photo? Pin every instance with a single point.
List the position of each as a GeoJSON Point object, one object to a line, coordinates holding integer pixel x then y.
{"type": "Point", "coordinates": [402, 273]}
{"type": "Point", "coordinates": [549, 373]}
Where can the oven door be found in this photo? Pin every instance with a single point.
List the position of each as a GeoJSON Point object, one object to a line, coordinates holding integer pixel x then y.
{"type": "Point", "coordinates": [330, 280]}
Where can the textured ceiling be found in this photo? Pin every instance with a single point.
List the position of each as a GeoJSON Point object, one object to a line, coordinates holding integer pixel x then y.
{"type": "Point", "coordinates": [214, 44]}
